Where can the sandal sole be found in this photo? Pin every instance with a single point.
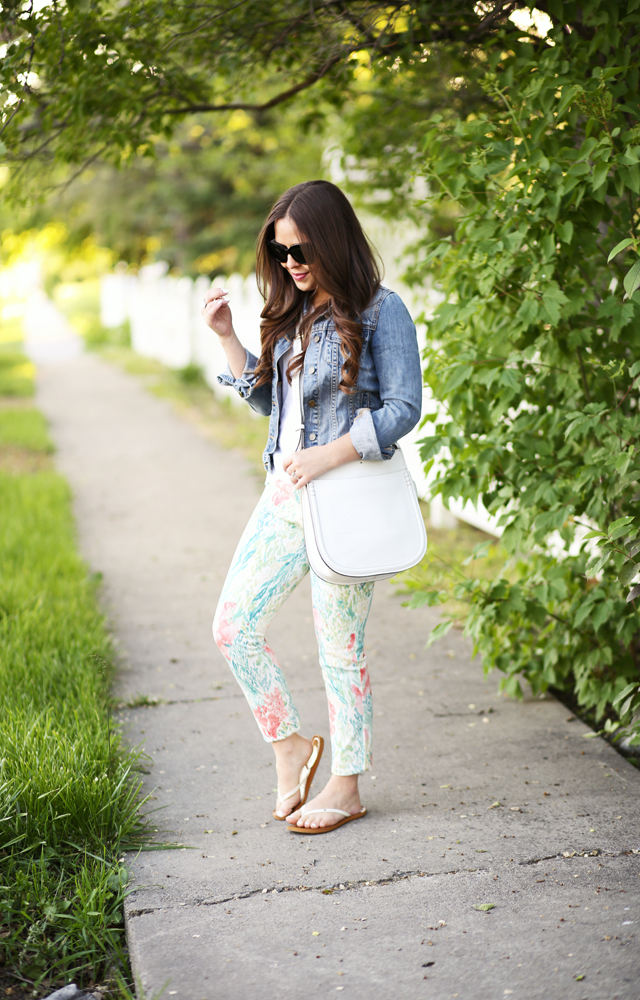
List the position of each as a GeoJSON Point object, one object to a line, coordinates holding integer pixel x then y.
{"type": "Point", "coordinates": [326, 829]}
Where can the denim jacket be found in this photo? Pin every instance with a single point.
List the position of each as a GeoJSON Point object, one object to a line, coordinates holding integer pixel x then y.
{"type": "Point", "coordinates": [388, 397]}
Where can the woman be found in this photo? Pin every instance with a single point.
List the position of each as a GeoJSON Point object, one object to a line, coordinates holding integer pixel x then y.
{"type": "Point", "coordinates": [361, 391]}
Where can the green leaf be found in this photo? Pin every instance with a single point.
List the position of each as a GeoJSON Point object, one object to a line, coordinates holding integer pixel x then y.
{"type": "Point", "coordinates": [633, 593]}
{"type": "Point", "coordinates": [480, 551]}
{"type": "Point", "coordinates": [595, 565]}
{"type": "Point", "coordinates": [584, 422]}
{"type": "Point", "coordinates": [552, 299]}
{"type": "Point", "coordinates": [632, 280]}
{"type": "Point", "coordinates": [458, 375]}
{"type": "Point", "coordinates": [439, 632]}
{"type": "Point", "coordinates": [427, 597]}
{"type": "Point", "coordinates": [622, 245]}
{"type": "Point", "coordinates": [618, 533]}
{"type": "Point", "coordinates": [635, 369]}
{"type": "Point", "coordinates": [600, 173]}
{"type": "Point", "coordinates": [568, 96]}
{"type": "Point", "coordinates": [582, 614]}
{"type": "Point", "coordinates": [631, 177]}
{"type": "Point", "coordinates": [529, 310]}
{"type": "Point", "coordinates": [485, 907]}
{"type": "Point", "coordinates": [626, 707]}
{"type": "Point", "coordinates": [430, 446]}
{"type": "Point", "coordinates": [628, 572]}
{"type": "Point", "coordinates": [620, 523]}
{"type": "Point", "coordinates": [621, 462]}
{"type": "Point", "coordinates": [565, 231]}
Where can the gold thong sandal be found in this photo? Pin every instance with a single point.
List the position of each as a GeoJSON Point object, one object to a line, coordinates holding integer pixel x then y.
{"type": "Point", "coordinates": [326, 829]}
{"type": "Point", "coordinates": [307, 774]}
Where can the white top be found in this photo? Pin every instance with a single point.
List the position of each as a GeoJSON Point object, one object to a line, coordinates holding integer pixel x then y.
{"type": "Point", "coordinates": [289, 425]}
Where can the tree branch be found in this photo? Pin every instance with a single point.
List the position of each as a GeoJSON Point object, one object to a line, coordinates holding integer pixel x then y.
{"type": "Point", "coordinates": [278, 99]}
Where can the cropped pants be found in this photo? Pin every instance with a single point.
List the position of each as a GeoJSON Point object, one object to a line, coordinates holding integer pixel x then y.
{"type": "Point", "coordinates": [269, 563]}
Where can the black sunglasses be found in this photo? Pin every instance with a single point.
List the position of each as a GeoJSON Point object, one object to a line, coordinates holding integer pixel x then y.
{"type": "Point", "coordinates": [300, 252]}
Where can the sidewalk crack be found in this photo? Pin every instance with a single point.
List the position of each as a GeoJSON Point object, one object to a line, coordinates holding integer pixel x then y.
{"type": "Point", "coordinates": [395, 877]}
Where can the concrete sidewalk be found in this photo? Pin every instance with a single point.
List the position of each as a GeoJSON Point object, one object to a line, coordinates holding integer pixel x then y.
{"type": "Point", "coordinates": [473, 799]}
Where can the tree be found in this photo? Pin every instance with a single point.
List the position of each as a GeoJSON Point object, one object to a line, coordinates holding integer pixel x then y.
{"type": "Point", "coordinates": [100, 80]}
{"type": "Point", "coordinates": [534, 355]}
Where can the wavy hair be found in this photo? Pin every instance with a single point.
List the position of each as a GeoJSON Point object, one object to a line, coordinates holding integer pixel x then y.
{"type": "Point", "coordinates": [342, 261]}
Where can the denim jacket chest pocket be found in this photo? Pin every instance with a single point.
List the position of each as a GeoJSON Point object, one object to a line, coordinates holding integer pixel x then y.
{"type": "Point", "coordinates": [332, 342]}
{"type": "Point", "coordinates": [331, 346]}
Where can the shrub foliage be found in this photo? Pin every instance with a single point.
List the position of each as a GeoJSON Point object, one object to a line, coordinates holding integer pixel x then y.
{"type": "Point", "coordinates": [534, 355]}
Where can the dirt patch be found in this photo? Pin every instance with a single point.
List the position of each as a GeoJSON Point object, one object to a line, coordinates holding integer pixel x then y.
{"type": "Point", "coordinates": [23, 461]}
{"type": "Point", "coordinates": [15, 989]}
{"type": "Point", "coordinates": [15, 403]}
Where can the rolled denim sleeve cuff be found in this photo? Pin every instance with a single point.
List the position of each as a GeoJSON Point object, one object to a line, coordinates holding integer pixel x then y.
{"type": "Point", "coordinates": [245, 384]}
{"type": "Point", "coordinates": [364, 438]}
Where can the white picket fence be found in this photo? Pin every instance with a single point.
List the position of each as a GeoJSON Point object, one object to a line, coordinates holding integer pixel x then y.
{"type": "Point", "coordinates": [164, 315]}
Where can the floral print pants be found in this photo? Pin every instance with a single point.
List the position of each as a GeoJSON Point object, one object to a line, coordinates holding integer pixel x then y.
{"type": "Point", "coordinates": [269, 563]}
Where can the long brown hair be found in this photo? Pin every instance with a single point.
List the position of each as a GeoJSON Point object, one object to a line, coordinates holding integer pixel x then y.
{"type": "Point", "coordinates": [341, 260]}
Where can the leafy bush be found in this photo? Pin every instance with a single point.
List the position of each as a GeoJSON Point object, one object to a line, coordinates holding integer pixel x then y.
{"type": "Point", "coordinates": [534, 353]}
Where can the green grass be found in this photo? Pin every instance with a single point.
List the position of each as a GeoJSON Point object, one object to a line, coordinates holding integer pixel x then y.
{"type": "Point", "coordinates": [16, 373]}
{"type": "Point", "coordinates": [24, 428]}
{"type": "Point", "coordinates": [69, 796]}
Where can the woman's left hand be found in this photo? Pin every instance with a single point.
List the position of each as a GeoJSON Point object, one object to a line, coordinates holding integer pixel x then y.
{"type": "Point", "coordinates": [308, 464]}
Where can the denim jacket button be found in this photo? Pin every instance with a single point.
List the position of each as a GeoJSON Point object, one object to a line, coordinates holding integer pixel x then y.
{"type": "Point", "coordinates": [312, 403]}
{"type": "Point", "coordinates": [312, 437]}
{"type": "Point", "coordinates": [317, 338]}
{"type": "Point", "coordinates": [312, 371]}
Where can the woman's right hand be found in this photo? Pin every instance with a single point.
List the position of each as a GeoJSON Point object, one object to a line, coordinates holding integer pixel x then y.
{"type": "Point", "coordinates": [216, 312]}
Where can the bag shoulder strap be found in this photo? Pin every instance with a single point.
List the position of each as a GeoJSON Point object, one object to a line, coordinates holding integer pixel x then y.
{"type": "Point", "coordinates": [297, 389]}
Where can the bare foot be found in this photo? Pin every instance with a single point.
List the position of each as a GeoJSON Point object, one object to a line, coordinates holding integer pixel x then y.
{"type": "Point", "coordinates": [292, 754]}
{"type": "Point", "coordinates": [340, 792]}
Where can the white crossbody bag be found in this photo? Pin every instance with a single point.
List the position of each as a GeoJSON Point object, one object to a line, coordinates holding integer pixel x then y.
{"type": "Point", "coordinates": [362, 521]}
